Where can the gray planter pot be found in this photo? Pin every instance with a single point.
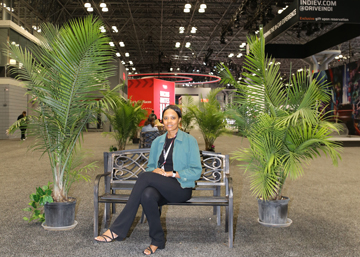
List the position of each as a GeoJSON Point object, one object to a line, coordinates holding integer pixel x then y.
{"type": "Point", "coordinates": [274, 213]}
{"type": "Point", "coordinates": [59, 215]}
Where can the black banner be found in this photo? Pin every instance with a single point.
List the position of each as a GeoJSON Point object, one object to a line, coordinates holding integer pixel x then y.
{"type": "Point", "coordinates": [329, 10]}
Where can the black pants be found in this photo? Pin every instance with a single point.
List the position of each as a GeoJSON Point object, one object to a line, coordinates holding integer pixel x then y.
{"type": "Point", "coordinates": [151, 190]}
{"type": "Point", "coordinates": [22, 133]}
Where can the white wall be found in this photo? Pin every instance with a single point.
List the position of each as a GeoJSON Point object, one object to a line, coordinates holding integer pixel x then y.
{"type": "Point", "coordinates": [13, 102]}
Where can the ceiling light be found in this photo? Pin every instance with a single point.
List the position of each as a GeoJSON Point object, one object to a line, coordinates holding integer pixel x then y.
{"type": "Point", "coordinates": [239, 55]}
{"type": "Point", "coordinates": [188, 44]}
{"type": "Point", "coordinates": [126, 68]}
{"type": "Point", "coordinates": [133, 68]}
{"type": "Point", "coordinates": [171, 69]}
{"type": "Point", "coordinates": [340, 56]}
{"type": "Point", "coordinates": [177, 68]}
{"type": "Point", "coordinates": [187, 6]}
{"type": "Point", "coordinates": [111, 44]}
{"type": "Point", "coordinates": [186, 10]}
{"type": "Point", "coordinates": [280, 11]}
{"type": "Point", "coordinates": [181, 29]}
{"type": "Point", "coordinates": [177, 44]}
{"type": "Point", "coordinates": [90, 9]}
{"type": "Point", "coordinates": [127, 54]}
{"type": "Point", "coordinates": [201, 10]}
{"type": "Point", "coordinates": [102, 5]}
{"type": "Point", "coordinates": [105, 9]}
{"type": "Point", "coordinates": [203, 6]}
{"type": "Point", "coordinates": [118, 54]}
{"type": "Point", "coordinates": [123, 62]}
{"type": "Point", "coordinates": [87, 5]}
{"type": "Point", "coordinates": [193, 30]}
{"type": "Point", "coordinates": [122, 44]}
{"type": "Point", "coordinates": [131, 63]}
{"type": "Point", "coordinates": [231, 55]}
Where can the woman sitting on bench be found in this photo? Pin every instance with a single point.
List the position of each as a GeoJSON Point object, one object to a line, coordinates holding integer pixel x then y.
{"type": "Point", "coordinates": [174, 166]}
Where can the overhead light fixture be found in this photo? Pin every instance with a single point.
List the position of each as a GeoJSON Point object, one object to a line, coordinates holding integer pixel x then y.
{"type": "Point", "coordinates": [231, 55]}
{"type": "Point", "coordinates": [188, 44]}
{"type": "Point", "coordinates": [171, 69]}
{"type": "Point", "coordinates": [111, 44]}
{"type": "Point", "coordinates": [90, 9]}
{"type": "Point", "coordinates": [187, 6]}
{"type": "Point", "coordinates": [126, 68]}
{"type": "Point", "coordinates": [133, 68]}
{"type": "Point", "coordinates": [102, 5]}
{"type": "Point", "coordinates": [118, 54]}
{"type": "Point", "coordinates": [115, 29]}
{"type": "Point", "coordinates": [239, 55]}
{"type": "Point", "coordinates": [203, 6]}
{"type": "Point", "coordinates": [243, 45]}
{"type": "Point", "coordinates": [201, 10]}
{"type": "Point", "coordinates": [131, 63]}
{"type": "Point", "coordinates": [181, 29]}
{"type": "Point", "coordinates": [127, 54]}
{"type": "Point", "coordinates": [123, 62]}
{"type": "Point", "coordinates": [177, 44]}
{"type": "Point", "coordinates": [122, 44]}
{"type": "Point", "coordinates": [193, 30]}
{"type": "Point", "coordinates": [105, 9]}
{"type": "Point", "coordinates": [186, 10]}
{"type": "Point", "coordinates": [87, 5]}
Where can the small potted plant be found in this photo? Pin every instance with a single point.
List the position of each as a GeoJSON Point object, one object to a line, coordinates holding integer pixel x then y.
{"type": "Point", "coordinates": [124, 117]}
{"type": "Point", "coordinates": [284, 125]}
{"type": "Point", "coordinates": [65, 74]}
{"type": "Point", "coordinates": [209, 117]}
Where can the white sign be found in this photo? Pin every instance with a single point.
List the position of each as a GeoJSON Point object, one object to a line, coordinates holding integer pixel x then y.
{"type": "Point", "coordinates": [164, 101]}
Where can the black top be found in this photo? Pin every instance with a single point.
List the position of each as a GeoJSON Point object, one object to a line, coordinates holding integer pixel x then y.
{"type": "Point", "coordinates": [169, 160]}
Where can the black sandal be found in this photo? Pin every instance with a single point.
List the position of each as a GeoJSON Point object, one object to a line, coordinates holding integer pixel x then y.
{"type": "Point", "coordinates": [112, 238]}
{"type": "Point", "coordinates": [151, 251]}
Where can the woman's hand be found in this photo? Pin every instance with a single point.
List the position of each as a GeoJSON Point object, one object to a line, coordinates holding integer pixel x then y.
{"type": "Point", "coordinates": [160, 171]}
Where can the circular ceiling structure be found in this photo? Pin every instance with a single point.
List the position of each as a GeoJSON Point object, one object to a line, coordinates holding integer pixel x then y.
{"type": "Point", "coordinates": [180, 78]}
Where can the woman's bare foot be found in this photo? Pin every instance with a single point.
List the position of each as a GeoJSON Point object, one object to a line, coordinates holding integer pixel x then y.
{"type": "Point", "coordinates": [150, 250]}
{"type": "Point", "coordinates": [107, 237]}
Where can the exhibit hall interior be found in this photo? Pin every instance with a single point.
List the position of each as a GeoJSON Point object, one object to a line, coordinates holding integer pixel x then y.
{"type": "Point", "coordinates": [255, 102]}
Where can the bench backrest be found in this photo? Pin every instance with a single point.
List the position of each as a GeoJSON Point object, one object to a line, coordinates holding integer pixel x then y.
{"type": "Point", "coordinates": [126, 165]}
{"type": "Point", "coordinates": [146, 138]}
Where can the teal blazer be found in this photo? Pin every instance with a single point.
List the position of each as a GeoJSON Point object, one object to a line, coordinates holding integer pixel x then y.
{"type": "Point", "coordinates": [186, 158]}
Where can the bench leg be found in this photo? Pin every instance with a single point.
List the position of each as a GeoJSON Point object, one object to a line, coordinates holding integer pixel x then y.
{"type": "Point", "coordinates": [113, 205]}
{"type": "Point", "coordinates": [142, 220]}
{"type": "Point", "coordinates": [231, 222]}
{"type": "Point", "coordinates": [106, 220]}
{"type": "Point", "coordinates": [96, 217]}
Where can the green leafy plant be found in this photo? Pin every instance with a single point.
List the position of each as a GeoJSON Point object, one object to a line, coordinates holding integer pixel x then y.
{"type": "Point", "coordinates": [283, 123]}
{"type": "Point", "coordinates": [113, 148]}
{"type": "Point", "coordinates": [209, 117]}
{"type": "Point", "coordinates": [187, 116]}
{"type": "Point", "coordinates": [124, 117]}
{"type": "Point", "coordinates": [39, 199]}
{"type": "Point", "coordinates": [65, 74]}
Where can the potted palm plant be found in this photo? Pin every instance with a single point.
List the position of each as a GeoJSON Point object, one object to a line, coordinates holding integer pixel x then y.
{"type": "Point", "coordinates": [124, 117]}
{"type": "Point", "coordinates": [209, 117]}
{"type": "Point", "coordinates": [284, 125]}
{"type": "Point", "coordinates": [64, 74]}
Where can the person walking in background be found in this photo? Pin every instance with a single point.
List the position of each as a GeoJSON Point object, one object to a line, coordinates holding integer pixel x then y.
{"type": "Point", "coordinates": [153, 115]}
{"type": "Point", "coordinates": [22, 124]}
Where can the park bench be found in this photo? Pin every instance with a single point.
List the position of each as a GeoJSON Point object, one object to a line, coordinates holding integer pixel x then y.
{"type": "Point", "coordinates": [121, 169]}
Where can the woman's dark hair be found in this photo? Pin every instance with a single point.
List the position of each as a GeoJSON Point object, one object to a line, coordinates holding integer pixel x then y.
{"type": "Point", "coordinates": [174, 108]}
{"type": "Point", "coordinates": [150, 120]}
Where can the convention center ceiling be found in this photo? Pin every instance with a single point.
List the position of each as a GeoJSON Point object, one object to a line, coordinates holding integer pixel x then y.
{"type": "Point", "coordinates": [165, 36]}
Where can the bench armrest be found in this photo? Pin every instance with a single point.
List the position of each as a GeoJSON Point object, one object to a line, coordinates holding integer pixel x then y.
{"type": "Point", "coordinates": [97, 182]}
